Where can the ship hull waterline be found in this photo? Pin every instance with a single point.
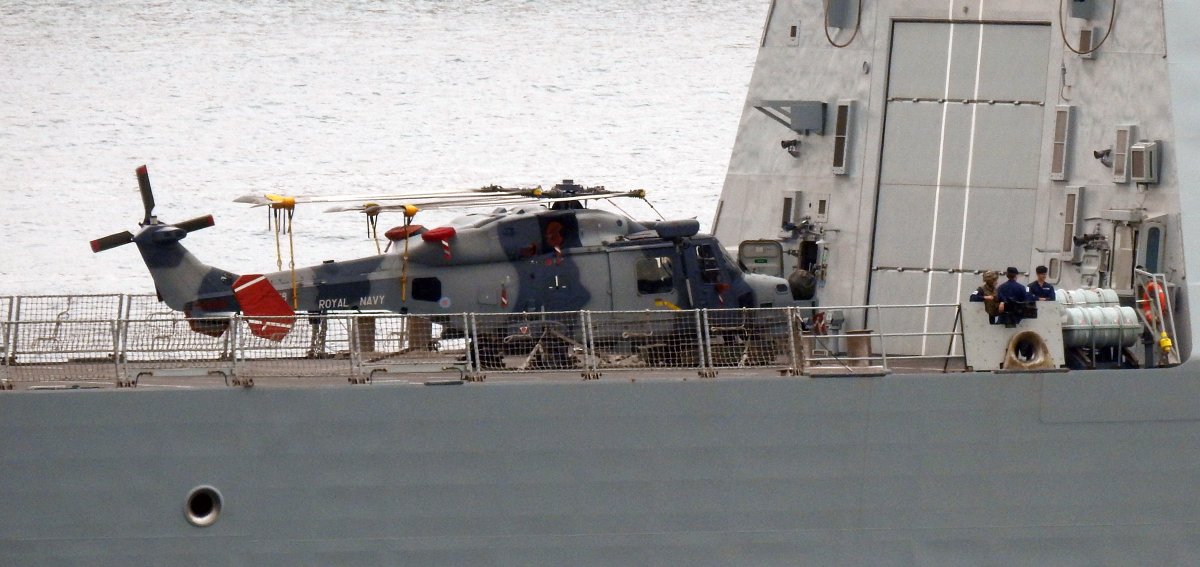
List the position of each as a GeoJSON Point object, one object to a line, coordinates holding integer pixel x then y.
{"type": "Point", "coordinates": [1086, 468]}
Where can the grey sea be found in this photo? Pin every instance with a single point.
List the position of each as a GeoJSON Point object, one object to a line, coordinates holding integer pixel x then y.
{"type": "Point", "coordinates": [221, 99]}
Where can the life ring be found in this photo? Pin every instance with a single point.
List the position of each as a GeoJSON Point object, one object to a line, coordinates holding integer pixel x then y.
{"type": "Point", "coordinates": [1152, 293]}
{"type": "Point", "coordinates": [399, 233]}
{"type": "Point", "coordinates": [819, 325]}
{"type": "Point", "coordinates": [1013, 360]}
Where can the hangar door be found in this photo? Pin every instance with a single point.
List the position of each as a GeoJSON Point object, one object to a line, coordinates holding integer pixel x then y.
{"type": "Point", "coordinates": [959, 168]}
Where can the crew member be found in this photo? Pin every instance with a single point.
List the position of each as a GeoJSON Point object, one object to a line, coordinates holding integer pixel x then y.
{"type": "Point", "coordinates": [1011, 294]}
{"type": "Point", "coordinates": [1040, 289]}
{"type": "Point", "coordinates": [987, 294]}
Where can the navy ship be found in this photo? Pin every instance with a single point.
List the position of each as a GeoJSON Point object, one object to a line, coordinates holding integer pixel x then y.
{"type": "Point", "coordinates": [890, 154]}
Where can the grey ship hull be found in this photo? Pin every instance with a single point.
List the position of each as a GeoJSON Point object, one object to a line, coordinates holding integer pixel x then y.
{"type": "Point", "coordinates": [1081, 468]}
{"type": "Point", "coordinates": [1037, 469]}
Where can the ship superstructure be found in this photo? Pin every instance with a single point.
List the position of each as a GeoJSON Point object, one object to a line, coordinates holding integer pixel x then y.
{"type": "Point", "coordinates": [898, 149]}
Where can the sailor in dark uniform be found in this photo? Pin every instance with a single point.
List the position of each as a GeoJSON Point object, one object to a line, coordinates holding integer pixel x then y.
{"type": "Point", "coordinates": [1040, 289]}
{"type": "Point", "coordinates": [1012, 296]}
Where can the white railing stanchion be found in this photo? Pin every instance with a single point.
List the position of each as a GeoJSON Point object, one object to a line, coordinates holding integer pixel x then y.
{"type": "Point", "coordinates": [471, 329]}
{"type": "Point", "coordinates": [4, 353]}
{"type": "Point", "coordinates": [115, 349]}
{"type": "Point", "coordinates": [123, 310]}
{"type": "Point", "coordinates": [708, 367]}
{"type": "Point", "coordinates": [882, 338]}
{"type": "Point", "coordinates": [591, 358]}
{"type": "Point", "coordinates": [795, 337]}
{"type": "Point", "coordinates": [235, 339]}
{"type": "Point", "coordinates": [353, 323]}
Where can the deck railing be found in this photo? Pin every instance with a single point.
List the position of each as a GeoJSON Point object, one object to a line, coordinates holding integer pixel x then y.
{"type": "Point", "coordinates": [128, 339]}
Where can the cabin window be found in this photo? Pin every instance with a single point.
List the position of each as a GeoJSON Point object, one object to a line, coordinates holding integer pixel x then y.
{"type": "Point", "coordinates": [426, 289]}
{"type": "Point", "coordinates": [1153, 241]}
{"type": "Point", "coordinates": [655, 275]}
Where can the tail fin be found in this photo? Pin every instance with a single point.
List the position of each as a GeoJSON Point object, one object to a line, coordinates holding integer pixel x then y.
{"type": "Point", "coordinates": [267, 314]}
{"type": "Point", "coordinates": [183, 282]}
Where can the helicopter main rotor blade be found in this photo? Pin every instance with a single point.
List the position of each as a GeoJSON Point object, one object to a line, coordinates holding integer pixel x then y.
{"type": "Point", "coordinates": [461, 200]}
{"type": "Point", "coordinates": [263, 199]}
{"type": "Point", "coordinates": [488, 202]}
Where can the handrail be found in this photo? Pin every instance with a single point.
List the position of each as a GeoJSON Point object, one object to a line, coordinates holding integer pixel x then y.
{"type": "Point", "coordinates": [142, 340]}
{"type": "Point", "coordinates": [1161, 320]}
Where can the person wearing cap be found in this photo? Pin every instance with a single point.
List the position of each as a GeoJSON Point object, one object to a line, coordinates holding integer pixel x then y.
{"type": "Point", "coordinates": [1009, 293]}
{"type": "Point", "coordinates": [1012, 290]}
{"type": "Point", "coordinates": [987, 294]}
{"type": "Point", "coordinates": [1040, 289]}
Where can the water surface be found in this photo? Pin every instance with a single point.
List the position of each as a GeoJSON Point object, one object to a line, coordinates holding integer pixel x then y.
{"type": "Point", "coordinates": [225, 98]}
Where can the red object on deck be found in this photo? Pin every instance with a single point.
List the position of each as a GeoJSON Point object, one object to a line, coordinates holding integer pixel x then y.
{"type": "Point", "coordinates": [267, 313]}
{"type": "Point", "coordinates": [401, 232]}
{"type": "Point", "coordinates": [438, 234]}
{"type": "Point", "coordinates": [441, 234]}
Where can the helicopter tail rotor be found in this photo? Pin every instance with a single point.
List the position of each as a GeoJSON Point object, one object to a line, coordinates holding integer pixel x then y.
{"type": "Point", "coordinates": [112, 241]}
{"type": "Point", "coordinates": [143, 177]}
{"type": "Point", "coordinates": [192, 225]}
{"type": "Point", "coordinates": [150, 221]}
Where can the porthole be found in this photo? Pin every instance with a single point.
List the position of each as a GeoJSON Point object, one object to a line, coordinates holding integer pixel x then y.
{"type": "Point", "coordinates": [203, 506]}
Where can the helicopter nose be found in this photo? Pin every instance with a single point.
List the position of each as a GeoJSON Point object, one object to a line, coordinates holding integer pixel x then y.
{"type": "Point", "coordinates": [769, 290]}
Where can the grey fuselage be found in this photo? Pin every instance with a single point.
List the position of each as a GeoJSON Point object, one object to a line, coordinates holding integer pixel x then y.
{"type": "Point", "coordinates": [521, 260]}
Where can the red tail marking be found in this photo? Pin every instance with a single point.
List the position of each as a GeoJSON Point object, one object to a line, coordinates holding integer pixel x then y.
{"type": "Point", "coordinates": [267, 313]}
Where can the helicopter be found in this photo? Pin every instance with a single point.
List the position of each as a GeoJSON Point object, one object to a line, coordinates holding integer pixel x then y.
{"type": "Point", "coordinates": [535, 252]}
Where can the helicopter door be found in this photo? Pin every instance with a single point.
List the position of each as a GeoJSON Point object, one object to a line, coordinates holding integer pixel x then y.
{"type": "Point", "coordinates": [1151, 245]}
{"type": "Point", "coordinates": [704, 270]}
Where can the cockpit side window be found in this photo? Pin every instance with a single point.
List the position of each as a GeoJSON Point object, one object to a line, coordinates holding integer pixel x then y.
{"type": "Point", "coordinates": [655, 275]}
